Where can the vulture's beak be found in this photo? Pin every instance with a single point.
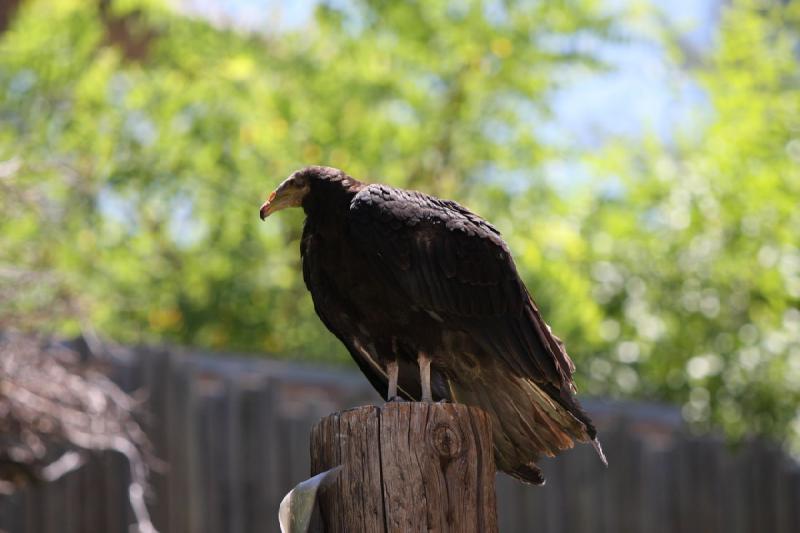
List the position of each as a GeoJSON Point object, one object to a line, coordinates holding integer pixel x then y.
{"type": "Point", "coordinates": [288, 194]}
{"type": "Point", "coordinates": [266, 209]}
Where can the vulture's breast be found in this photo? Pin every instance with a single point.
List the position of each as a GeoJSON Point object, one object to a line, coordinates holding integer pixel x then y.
{"type": "Point", "coordinates": [344, 287]}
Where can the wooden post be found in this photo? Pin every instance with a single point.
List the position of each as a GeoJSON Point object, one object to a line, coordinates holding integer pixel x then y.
{"type": "Point", "coordinates": [407, 467]}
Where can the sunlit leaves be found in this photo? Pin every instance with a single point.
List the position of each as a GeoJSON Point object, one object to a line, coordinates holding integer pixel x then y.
{"type": "Point", "coordinates": [710, 229]}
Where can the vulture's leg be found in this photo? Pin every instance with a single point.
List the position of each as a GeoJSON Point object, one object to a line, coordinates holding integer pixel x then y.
{"type": "Point", "coordinates": [392, 369]}
{"type": "Point", "coordinates": [425, 377]}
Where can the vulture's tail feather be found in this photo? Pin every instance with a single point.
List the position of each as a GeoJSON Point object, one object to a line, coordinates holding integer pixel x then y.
{"type": "Point", "coordinates": [599, 449]}
{"type": "Point", "coordinates": [529, 473]}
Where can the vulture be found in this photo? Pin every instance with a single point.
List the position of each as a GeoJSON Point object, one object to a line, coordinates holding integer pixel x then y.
{"type": "Point", "coordinates": [425, 296]}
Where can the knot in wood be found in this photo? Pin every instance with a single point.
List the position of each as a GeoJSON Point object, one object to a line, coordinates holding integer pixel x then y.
{"type": "Point", "coordinates": [447, 441]}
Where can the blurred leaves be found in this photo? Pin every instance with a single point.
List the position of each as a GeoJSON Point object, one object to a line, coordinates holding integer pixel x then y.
{"type": "Point", "coordinates": [700, 249]}
{"type": "Point", "coordinates": [137, 144]}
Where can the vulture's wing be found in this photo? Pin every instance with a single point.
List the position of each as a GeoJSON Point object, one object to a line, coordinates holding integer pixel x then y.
{"type": "Point", "coordinates": [455, 266]}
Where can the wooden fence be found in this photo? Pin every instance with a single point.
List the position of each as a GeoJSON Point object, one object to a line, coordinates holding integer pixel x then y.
{"type": "Point", "coordinates": [233, 435]}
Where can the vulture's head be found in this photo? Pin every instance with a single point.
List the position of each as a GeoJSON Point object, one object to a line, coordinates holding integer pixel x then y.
{"type": "Point", "coordinates": [293, 191]}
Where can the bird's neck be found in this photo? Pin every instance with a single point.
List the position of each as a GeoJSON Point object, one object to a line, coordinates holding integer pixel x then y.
{"type": "Point", "coordinates": [328, 202]}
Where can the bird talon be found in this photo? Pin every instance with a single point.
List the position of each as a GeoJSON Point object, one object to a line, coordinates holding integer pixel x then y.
{"type": "Point", "coordinates": [395, 399]}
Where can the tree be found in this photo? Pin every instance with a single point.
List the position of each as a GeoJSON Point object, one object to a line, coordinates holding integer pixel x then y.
{"type": "Point", "coordinates": [136, 145]}
{"type": "Point", "coordinates": [696, 255]}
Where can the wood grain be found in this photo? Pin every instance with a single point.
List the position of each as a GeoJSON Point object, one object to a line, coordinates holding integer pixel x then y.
{"type": "Point", "coordinates": [408, 467]}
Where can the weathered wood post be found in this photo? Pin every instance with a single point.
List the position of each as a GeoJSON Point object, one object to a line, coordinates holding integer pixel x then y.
{"type": "Point", "coordinates": [407, 467]}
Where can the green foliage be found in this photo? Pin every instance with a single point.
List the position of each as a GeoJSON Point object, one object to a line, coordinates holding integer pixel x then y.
{"type": "Point", "coordinates": [137, 144]}
{"type": "Point", "coordinates": [140, 178]}
{"type": "Point", "coordinates": [698, 260]}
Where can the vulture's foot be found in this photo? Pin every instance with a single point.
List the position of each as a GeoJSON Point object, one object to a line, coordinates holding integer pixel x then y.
{"type": "Point", "coordinates": [395, 399]}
